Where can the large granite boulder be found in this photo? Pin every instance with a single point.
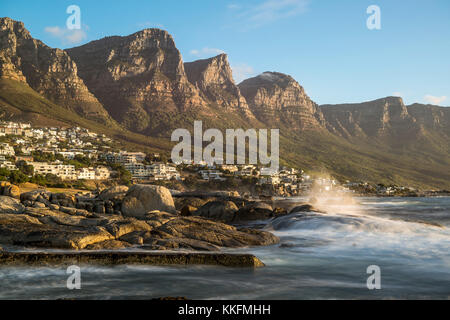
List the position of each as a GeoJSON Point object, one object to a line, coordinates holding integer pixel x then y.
{"type": "Point", "coordinates": [218, 210]}
{"type": "Point", "coordinates": [9, 190]}
{"type": "Point", "coordinates": [10, 205]}
{"type": "Point", "coordinates": [141, 199]}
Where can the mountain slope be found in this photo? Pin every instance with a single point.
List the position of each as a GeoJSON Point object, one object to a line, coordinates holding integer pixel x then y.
{"type": "Point", "coordinates": [19, 102]}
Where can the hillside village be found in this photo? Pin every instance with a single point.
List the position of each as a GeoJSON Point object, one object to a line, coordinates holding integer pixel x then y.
{"type": "Point", "coordinates": [73, 154]}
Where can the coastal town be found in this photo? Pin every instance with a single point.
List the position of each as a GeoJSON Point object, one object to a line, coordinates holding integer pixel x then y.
{"type": "Point", "coordinates": [56, 156]}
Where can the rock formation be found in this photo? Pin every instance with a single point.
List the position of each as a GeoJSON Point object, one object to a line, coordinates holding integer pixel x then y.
{"type": "Point", "coordinates": [213, 77]}
{"type": "Point", "coordinates": [137, 77]}
{"type": "Point", "coordinates": [50, 72]}
{"type": "Point", "coordinates": [277, 99]}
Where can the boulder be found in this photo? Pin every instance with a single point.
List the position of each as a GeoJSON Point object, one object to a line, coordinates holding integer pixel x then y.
{"type": "Point", "coordinates": [135, 238]}
{"type": "Point", "coordinates": [218, 210]}
{"type": "Point", "coordinates": [10, 205]}
{"type": "Point", "coordinates": [194, 202]}
{"type": "Point", "coordinates": [188, 211]}
{"type": "Point", "coordinates": [34, 195]}
{"type": "Point", "coordinates": [141, 199]}
{"type": "Point", "coordinates": [10, 190]}
{"type": "Point", "coordinates": [302, 208]}
{"type": "Point", "coordinates": [254, 211]}
{"type": "Point", "coordinates": [116, 193]}
{"type": "Point", "coordinates": [63, 199]}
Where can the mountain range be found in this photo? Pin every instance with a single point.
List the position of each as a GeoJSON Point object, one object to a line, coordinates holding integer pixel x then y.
{"type": "Point", "coordinates": [137, 89]}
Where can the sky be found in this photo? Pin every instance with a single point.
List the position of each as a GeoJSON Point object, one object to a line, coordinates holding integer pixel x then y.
{"type": "Point", "coordinates": [325, 45]}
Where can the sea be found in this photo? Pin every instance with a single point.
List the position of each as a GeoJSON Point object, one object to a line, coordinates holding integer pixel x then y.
{"type": "Point", "coordinates": [362, 248]}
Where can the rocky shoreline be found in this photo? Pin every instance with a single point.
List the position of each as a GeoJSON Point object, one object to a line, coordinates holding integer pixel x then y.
{"type": "Point", "coordinates": [136, 258]}
{"type": "Point", "coordinates": [144, 217]}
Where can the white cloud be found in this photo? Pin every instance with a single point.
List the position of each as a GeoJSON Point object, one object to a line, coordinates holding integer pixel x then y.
{"type": "Point", "coordinates": [434, 100]}
{"type": "Point", "coordinates": [242, 71]}
{"type": "Point", "coordinates": [68, 36]}
{"type": "Point", "coordinates": [206, 52]}
{"type": "Point", "coordinates": [397, 94]}
{"type": "Point", "coordinates": [233, 6]}
{"type": "Point", "coordinates": [269, 11]}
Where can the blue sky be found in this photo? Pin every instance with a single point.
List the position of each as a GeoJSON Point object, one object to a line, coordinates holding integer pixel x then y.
{"type": "Point", "coordinates": [323, 44]}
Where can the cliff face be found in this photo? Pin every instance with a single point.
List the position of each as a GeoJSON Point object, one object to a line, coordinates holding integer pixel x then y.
{"type": "Point", "coordinates": [214, 79]}
{"type": "Point", "coordinates": [386, 118]}
{"type": "Point", "coordinates": [276, 98]}
{"type": "Point", "coordinates": [50, 72]}
{"type": "Point", "coordinates": [136, 76]}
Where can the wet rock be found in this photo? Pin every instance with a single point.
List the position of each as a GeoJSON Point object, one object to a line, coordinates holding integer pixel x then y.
{"type": "Point", "coordinates": [118, 258]}
{"type": "Point", "coordinates": [218, 210]}
{"type": "Point", "coordinates": [10, 205]}
{"type": "Point", "coordinates": [302, 208]}
{"type": "Point", "coordinates": [141, 199]}
{"type": "Point", "coordinates": [254, 211]}
{"type": "Point", "coordinates": [277, 212]}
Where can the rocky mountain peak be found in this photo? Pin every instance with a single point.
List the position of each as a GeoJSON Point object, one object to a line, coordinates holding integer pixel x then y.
{"type": "Point", "coordinates": [277, 98]}
{"type": "Point", "coordinates": [17, 27]}
{"type": "Point", "coordinates": [214, 79]}
{"type": "Point", "coordinates": [50, 72]}
{"type": "Point", "coordinates": [137, 75]}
